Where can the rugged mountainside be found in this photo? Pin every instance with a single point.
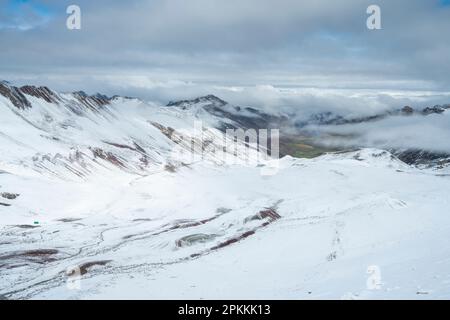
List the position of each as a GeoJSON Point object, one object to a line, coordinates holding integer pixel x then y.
{"type": "Point", "coordinates": [75, 134]}
{"type": "Point", "coordinates": [234, 117]}
{"type": "Point", "coordinates": [73, 113]}
{"type": "Point", "coordinates": [101, 197]}
{"type": "Point", "coordinates": [297, 139]}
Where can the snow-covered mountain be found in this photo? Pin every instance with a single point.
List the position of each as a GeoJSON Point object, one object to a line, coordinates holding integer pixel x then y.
{"type": "Point", "coordinates": [113, 197]}
{"type": "Point", "coordinates": [74, 135]}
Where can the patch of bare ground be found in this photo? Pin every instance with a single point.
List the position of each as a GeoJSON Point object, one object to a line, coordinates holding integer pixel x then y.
{"type": "Point", "coordinates": [69, 219]}
{"type": "Point", "coordinates": [107, 156]}
{"type": "Point", "coordinates": [269, 215]}
{"type": "Point", "coordinates": [234, 239]}
{"type": "Point", "coordinates": [223, 210]}
{"type": "Point", "coordinates": [170, 168]}
{"type": "Point", "coordinates": [40, 256]}
{"type": "Point", "coordinates": [177, 224]}
{"type": "Point", "coordinates": [9, 196]}
{"type": "Point", "coordinates": [25, 226]}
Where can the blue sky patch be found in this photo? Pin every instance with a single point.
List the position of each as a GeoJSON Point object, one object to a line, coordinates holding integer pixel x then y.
{"type": "Point", "coordinates": [23, 14]}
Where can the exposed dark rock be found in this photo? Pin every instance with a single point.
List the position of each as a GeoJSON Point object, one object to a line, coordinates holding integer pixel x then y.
{"type": "Point", "coordinates": [170, 168]}
{"type": "Point", "coordinates": [26, 226]}
{"type": "Point", "coordinates": [433, 110]}
{"type": "Point", "coordinates": [206, 99]}
{"type": "Point", "coordinates": [69, 219]}
{"type": "Point", "coordinates": [332, 256]}
{"type": "Point", "coordinates": [9, 196]}
{"type": "Point", "coordinates": [323, 118]}
{"type": "Point", "coordinates": [119, 145]}
{"type": "Point", "coordinates": [178, 224]}
{"type": "Point", "coordinates": [422, 157]}
{"type": "Point", "coordinates": [92, 102]}
{"type": "Point", "coordinates": [234, 240]}
{"type": "Point", "coordinates": [37, 256]}
{"type": "Point", "coordinates": [107, 156]}
{"type": "Point", "coordinates": [136, 148]}
{"type": "Point", "coordinates": [40, 92]}
{"type": "Point", "coordinates": [259, 120]}
{"type": "Point", "coordinates": [269, 214]}
{"type": "Point", "coordinates": [236, 117]}
{"type": "Point", "coordinates": [14, 95]}
{"type": "Point", "coordinates": [168, 132]}
{"type": "Point", "coordinates": [407, 110]}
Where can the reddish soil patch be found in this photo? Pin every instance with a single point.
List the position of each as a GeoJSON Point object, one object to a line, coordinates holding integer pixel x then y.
{"type": "Point", "coordinates": [38, 256]}
{"type": "Point", "coordinates": [234, 240]}
{"type": "Point", "coordinates": [269, 214]}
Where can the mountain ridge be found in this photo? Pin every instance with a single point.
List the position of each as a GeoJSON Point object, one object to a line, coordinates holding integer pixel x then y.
{"type": "Point", "coordinates": [219, 114]}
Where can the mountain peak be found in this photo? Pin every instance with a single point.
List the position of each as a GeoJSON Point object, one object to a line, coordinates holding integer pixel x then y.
{"type": "Point", "coordinates": [210, 98]}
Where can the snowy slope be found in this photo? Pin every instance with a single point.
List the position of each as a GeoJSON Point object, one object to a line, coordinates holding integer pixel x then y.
{"type": "Point", "coordinates": [74, 135]}
{"type": "Point", "coordinates": [106, 192]}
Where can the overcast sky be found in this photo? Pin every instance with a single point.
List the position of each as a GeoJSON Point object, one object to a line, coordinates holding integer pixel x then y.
{"type": "Point", "coordinates": [250, 51]}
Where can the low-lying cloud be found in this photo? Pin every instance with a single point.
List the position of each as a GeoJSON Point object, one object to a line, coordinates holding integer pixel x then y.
{"type": "Point", "coordinates": [431, 133]}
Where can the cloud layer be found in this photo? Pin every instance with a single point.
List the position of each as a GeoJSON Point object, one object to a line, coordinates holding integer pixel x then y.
{"type": "Point", "coordinates": [178, 48]}
{"type": "Point", "coordinates": [429, 133]}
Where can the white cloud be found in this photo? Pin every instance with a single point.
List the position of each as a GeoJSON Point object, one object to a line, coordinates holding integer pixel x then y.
{"type": "Point", "coordinates": [414, 132]}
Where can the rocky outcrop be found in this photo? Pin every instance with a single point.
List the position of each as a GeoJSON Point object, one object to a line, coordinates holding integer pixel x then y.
{"type": "Point", "coordinates": [9, 196]}
{"type": "Point", "coordinates": [407, 110]}
{"type": "Point", "coordinates": [434, 109]}
{"type": "Point", "coordinates": [93, 101]}
{"type": "Point", "coordinates": [18, 97]}
{"type": "Point", "coordinates": [420, 157]}
{"type": "Point", "coordinates": [234, 116]}
{"type": "Point", "coordinates": [40, 92]}
{"type": "Point", "coordinates": [14, 95]}
{"type": "Point", "coordinates": [209, 99]}
{"type": "Point", "coordinates": [107, 156]}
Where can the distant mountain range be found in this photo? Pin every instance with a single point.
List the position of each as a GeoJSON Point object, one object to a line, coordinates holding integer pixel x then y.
{"type": "Point", "coordinates": [295, 139]}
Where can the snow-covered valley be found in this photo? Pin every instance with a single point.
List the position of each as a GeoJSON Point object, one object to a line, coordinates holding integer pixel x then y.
{"type": "Point", "coordinates": [98, 200]}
